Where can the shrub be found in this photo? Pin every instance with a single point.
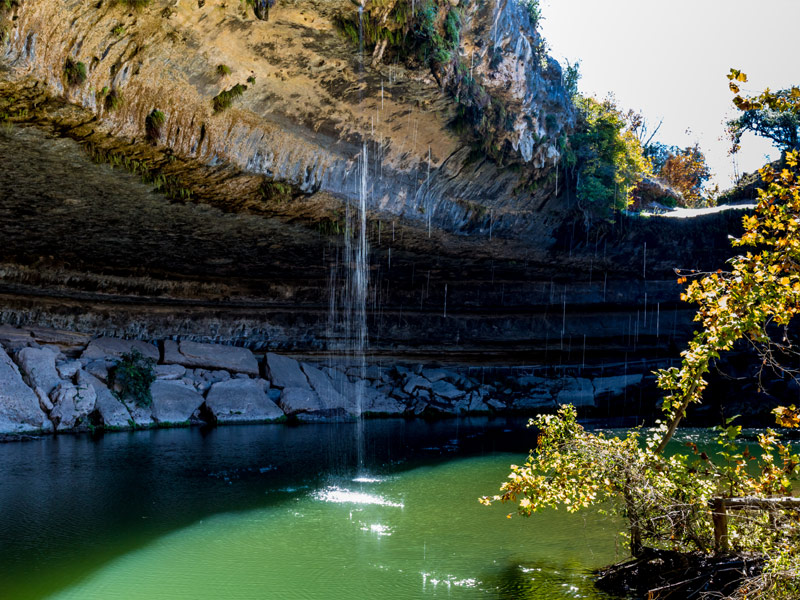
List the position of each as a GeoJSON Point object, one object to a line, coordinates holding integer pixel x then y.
{"type": "Point", "coordinates": [153, 125]}
{"type": "Point", "coordinates": [119, 30]}
{"type": "Point", "coordinates": [608, 157]}
{"type": "Point", "coordinates": [136, 3]}
{"type": "Point", "coordinates": [223, 70]}
{"type": "Point", "coordinates": [225, 98]}
{"type": "Point", "coordinates": [534, 11]}
{"type": "Point", "coordinates": [131, 378]}
{"type": "Point", "coordinates": [113, 100]}
{"type": "Point", "coordinates": [74, 72]}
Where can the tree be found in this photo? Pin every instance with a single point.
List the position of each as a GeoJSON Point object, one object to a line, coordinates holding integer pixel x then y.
{"type": "Point", "coordinates": [773, 115]}
{"type": "Point", "coordinates": [608, 157]}
{"type": "Point", "coordinates": [682, 169]}
{"type": "Point", "coordinates": [686, 171]}
{"type": "Point", "coordinates": [666, 498]}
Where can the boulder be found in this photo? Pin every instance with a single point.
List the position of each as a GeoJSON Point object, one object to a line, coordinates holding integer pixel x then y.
{"type": "Point", "coordinates": [377, 403]}
{"type": "Point", "coordinates": [107, 347]}
{"type": "Point", "coordinates": [296, 400]}
{"type": "Point", "coordinates": [99, 369]}
{"type": "Point", "coordinates": [285, 372]}
{"type": "Point", "coordinates": [113, 413]}
{"type": "Point", "coordinates": [434, 375]}
{"type": "Point", "coordinates": [202, 380]}
{"type": "Point", "coordinates": [60, 357]}
{"type": "Point", "coordinates": [414, 382]}
{"type": "Point", "coordinates": [241, 401]}
{"type": "Point", "coordinates": [169, 372]}
{"type": "Point", "coordinates": [44, 401]}
{"type": "Point", "coordinates": [496, 404]}
{"type": "Point", "coordinates": [321, 383]}
{"type": "Point", "coordinates": [64, 340]}
{"type": "Point", "coordinates": [142, 416]}
{"type": "Point", "coordinates": [67, 369]}
{"type": "Point", "coordinates": [173, 402]}
{"type": "Point", "coordinates": [71, 405]}
{"type": "Point", "coordinates": [462, 406]}
{"type": "Point", "coordinates": [476, 404]}
{"type": "Point", "coordinates": [19, 406]}
{"type": "Point", "coordinates": [373, 372]}
{"type": "Point", "coordinates": [531, 381]}
{"type": "Point", "coordinates": [419, 407]}
{"type": "Point", "coordinates": [446, 390]}
{"type": "Point", "coordinates": [15, 338]}
{"type": "Point", "coordinates": [210, 356]}
{"type": "Point", "coordinates": [533, 401]}
{"type": "Point", "coordinates": [615, 386]}
{"type": "Point", "coordinates": [38, 367]}
{"type": "Point", "coordinates": [577, 391]}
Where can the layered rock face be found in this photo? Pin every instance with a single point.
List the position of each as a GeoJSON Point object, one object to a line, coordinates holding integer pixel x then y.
{"type": "Point", "coordinates": [231, 222]}
{"type": "Point", "coordinates": [85, 392]}
{"type": "Point", "coordinates": [312, 99]}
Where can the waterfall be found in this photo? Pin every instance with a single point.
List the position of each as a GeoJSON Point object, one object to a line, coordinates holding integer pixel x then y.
{"type": "Point", "coordinates": [349, 286]}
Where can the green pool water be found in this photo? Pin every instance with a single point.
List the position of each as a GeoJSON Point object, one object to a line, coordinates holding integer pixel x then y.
{"type": "Point", "coordinates": [279, 512]}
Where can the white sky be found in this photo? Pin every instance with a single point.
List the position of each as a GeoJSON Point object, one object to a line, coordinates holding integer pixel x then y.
{"type": "Point", "coordinates": [669, 60]}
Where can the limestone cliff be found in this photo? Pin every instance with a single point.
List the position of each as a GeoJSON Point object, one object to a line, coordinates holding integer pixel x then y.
{"type": "Point", "coordinates": [303, 98]}
{"type": "Point", "coordinates": [462, 115]}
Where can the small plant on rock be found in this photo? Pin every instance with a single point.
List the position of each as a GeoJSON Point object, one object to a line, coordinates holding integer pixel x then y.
{"type": "Point", "coordinates": [225, 98]}
{"type": "Point", "coordinates": [113, 100]}
{"type": "Point", "coordinates": [132, 377]}
{"type": "Point", "coordinates": [223, 70]}
{"type": "Point", "coordinates": [136, 3]}
{"type": "Point", "coordinates": [153, 125]}
{"type": "Point", "coordinates": [74, 72]}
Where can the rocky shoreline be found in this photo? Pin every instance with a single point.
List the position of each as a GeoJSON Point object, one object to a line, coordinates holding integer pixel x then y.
{"type": "Point", "coordinates": [53, 382]}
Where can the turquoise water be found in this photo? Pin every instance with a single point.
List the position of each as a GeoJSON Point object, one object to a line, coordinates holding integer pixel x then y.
{"type": "Point", "coordinates": [279, 512]}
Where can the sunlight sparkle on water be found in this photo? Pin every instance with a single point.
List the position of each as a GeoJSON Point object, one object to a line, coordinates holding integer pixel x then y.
{"type": "Point", "coordinates": [379, 529]}
{"type": "Point", "coordinates": [343, 496]}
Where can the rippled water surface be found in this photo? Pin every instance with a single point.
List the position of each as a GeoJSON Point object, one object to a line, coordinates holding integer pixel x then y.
{"type": "Point", "coordinates": [281, 512]}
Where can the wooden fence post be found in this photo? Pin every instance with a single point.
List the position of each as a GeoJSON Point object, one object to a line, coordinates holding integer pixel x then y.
{"type": "Point", "coordinates": [720, 518]}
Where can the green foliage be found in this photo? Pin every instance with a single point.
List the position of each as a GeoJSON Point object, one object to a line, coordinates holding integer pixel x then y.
{"type": "Point", "coordinates": [113, 100]}
{"type": "Point", "coordinates": [119, 30]}
{"type": "Point", "coordinates": [534, 11]}
{"type": "Point", "coordinates": [773, 115]}
{"type": "Point", "coordinates": [223, 70]}
{"type": "Point", "coordinates": [608, 157]}
{"type": "Point", "coordinates": [665, 499]}
{"type": "Point", "coordinates": [224, 100]}
{"type": "Point", "coordinates": [171, 187]}
{"type": "Point", "coordinates": [331, 226]}
{"type": "Point", "coordinates": [131, 378]}
{"type": "Point", "coordinates": [251, 80]}
{"type": "Point", "coordinates": [137, 4]}
{"type": "Point", "coordinates": [684, 170]}
{"type": "Point", "coordinates": [572, 75]}
{"type": "Point", "coordinates": [761, 291]}
{"type": "Point", "coordinates": [74, 72]}
{"type": "Point", "coordinates": [276, 191]}
{"type": "Point", "coordinates": [153, 124]}
{"type": "Point", "coordinates": [428, 31]}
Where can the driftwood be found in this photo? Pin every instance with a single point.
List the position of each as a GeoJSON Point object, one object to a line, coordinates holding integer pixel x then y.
{"type": "Point", "coordinates": [670, 575]}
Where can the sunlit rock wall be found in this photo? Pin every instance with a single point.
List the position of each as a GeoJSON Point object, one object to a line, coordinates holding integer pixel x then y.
{"type": "Point", "coordinates": [311, 100]}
